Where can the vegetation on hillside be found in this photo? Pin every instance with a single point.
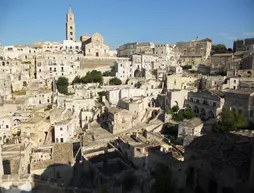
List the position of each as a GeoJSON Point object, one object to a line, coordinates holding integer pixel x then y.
{"type": "Point", "coordinates": [220, 49]}
{"type": "Point", "coordinates": [115, 81]}
{"type": "Point", "coordinates": [187, 67]}
{"type": "Point", "coordinates": [230, 121]}
{"type": "Point", "coordinates": [107, 73]}
{"type": "Point", "coordinates": [180, 115]}
{"type": "Point", "coordinates": [91, 77]}
{"type": "Point", "coordinates": [62, 85]}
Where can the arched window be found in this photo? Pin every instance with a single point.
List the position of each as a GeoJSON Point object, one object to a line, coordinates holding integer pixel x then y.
{"type": "Point", "coordinates": [197, 101]}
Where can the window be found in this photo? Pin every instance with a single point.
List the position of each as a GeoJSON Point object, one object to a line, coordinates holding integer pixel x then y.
{"type": "Point", "coordinates": [240, 111]}
{"type": "Point", "coordinates": [251, 113]}
{"type": "Point", "coordinates": [39, 102]}
{"type": "Point", "coordinates": [214, 104]}
{"type": "Point", "coordinates": [48, 100]}
{"type": "Point", "coordinates": [39, 70]}
{"type": "Point", "coordinates": [56, 140]}
{"type": "Point", "coordinates": [61, 140]}
{"type": "Point", "coordinates": [62, 68]}
{"type": "Point", "coordinates": [61, 128]}
{"type": "Point", "coordinates": [7, 126]}
{"type": "Point", "coordinates": [234, 81]}
{"type": "Point", "coordinates": [197, 101]}
{"type": "Point", "coordinates": [50, 69]}
{"type": "Point", "coordinates": [70, 27]}
{"type": "Point", "coordinates": [191, 99]}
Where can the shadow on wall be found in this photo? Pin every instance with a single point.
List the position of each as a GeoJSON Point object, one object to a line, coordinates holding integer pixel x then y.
{"type": "Point", "coordinates": [55, 179]}
{"type": "Point", "coordinates": [203, 173]}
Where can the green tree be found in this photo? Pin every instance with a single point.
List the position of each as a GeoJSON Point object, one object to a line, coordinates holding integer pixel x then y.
{"type": "Point", "coordinates": [96, 76]}
{"type": "Point", "coordinates": [62, 85]}
{"type": "Point", "coordinates": [221, 73]}
{"type": "Point", "coordinates": [92, 77]}
{"type": "Point", "coordinates": [230, 121]}
{"type": "Point", "coordinates": [187, 67]}
{"type": "Point", "coordinates": [107, 73]}
{"type": "Point", "coordinates": [178, 117]}
{"type": "Point", "coordinates": [175, 109]}
{"type": "Point", "coordinates": [76, 80]}
{"type": "Point", "coordinates": [115, 81]}
{"type": "Point", "coordinates": [169, 110]}
{"type": "Point", "coordinates": [188, 113]}
{"type": "Point", "coordinates": [163, 180]}
{"type": "Point", "coordinates": [170, 129]}
{"type": "Point", "coordinates": [219, 48]}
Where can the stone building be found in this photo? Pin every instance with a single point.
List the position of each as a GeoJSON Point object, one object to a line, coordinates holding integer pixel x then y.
{"type": "Point", "coordinates": [219, 163]}
{"type": "Point", "coordinates": [167, 53]}
{"type": "Point", "coordinates": [129, 49]}
{"type": "Point", "coordinates": [117, 120]}
{"type": "Point", "coordinates": [243, 45]}
{"type": "Point", "coordinates": [70, 26]}
{"type": "Point", "coordinates": [241, 101]}
{"type": "Point", "coordinates": [247, 62]}
{"type": "Point", "coordinates": [189, 129]}
{"type": "Point", "coordinates": [94, 46]}
{"type": "Point", "coordinates": [171, 98]}
{"type": "Point", "coordinates": [207, 103]}
{"type": "Point", "coordinates": [214, 82]}
{"type": "Point", "coordinates": [55, 65]}
{"type": "Point", "coordinates": [138, 66]}
{"type": "Point", "coordinates": [180, 82]}
{"type": "Point", "coordinates": [117, 94]}
{"type": "Point", "coordinates": [194, 52]}
{"type": "Point", "coordinates": [64, 130]}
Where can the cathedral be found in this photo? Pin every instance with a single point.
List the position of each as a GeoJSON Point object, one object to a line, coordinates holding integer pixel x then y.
{"type": "Point", "coordinates": [91, 45]}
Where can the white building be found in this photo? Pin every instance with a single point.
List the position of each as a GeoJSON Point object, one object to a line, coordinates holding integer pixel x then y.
{"type": "Point", "coordinates": [167, 54]}
{"type": "Point", "coordinates": [64, 130]}
{"type": "Point", "coordinates": [40, 99]}
{"type": "Point", "coordinates": [56, 65]}
{"type": "Point", "coordinates": [138, 66]}
{"type": "Point", "coordinates": [115, 95]}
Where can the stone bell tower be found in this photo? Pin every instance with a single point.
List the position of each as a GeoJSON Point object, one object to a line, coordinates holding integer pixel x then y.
{"type": "Point", "coordinates": [70, 25]}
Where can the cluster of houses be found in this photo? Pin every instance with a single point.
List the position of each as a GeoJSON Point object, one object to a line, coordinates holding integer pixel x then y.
{"type": "Point", "coordinates": [97, 134]}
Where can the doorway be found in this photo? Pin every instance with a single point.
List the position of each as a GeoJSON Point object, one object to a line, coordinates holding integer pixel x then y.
{"type": "Point", "coordinates": [97, 54]}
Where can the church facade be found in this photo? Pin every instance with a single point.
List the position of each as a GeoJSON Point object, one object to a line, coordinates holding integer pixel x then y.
{"type": "Point", "coordinates": [91, 45]}
{"type": "Point", "coordinates": [94, 46]}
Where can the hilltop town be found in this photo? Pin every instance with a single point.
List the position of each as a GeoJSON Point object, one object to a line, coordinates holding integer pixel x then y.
{"type": "Point", "coordinates": [77, 116]}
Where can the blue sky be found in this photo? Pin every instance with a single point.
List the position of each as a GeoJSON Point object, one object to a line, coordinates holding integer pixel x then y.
{"type": "Point", "coordinates": [122, 21]}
